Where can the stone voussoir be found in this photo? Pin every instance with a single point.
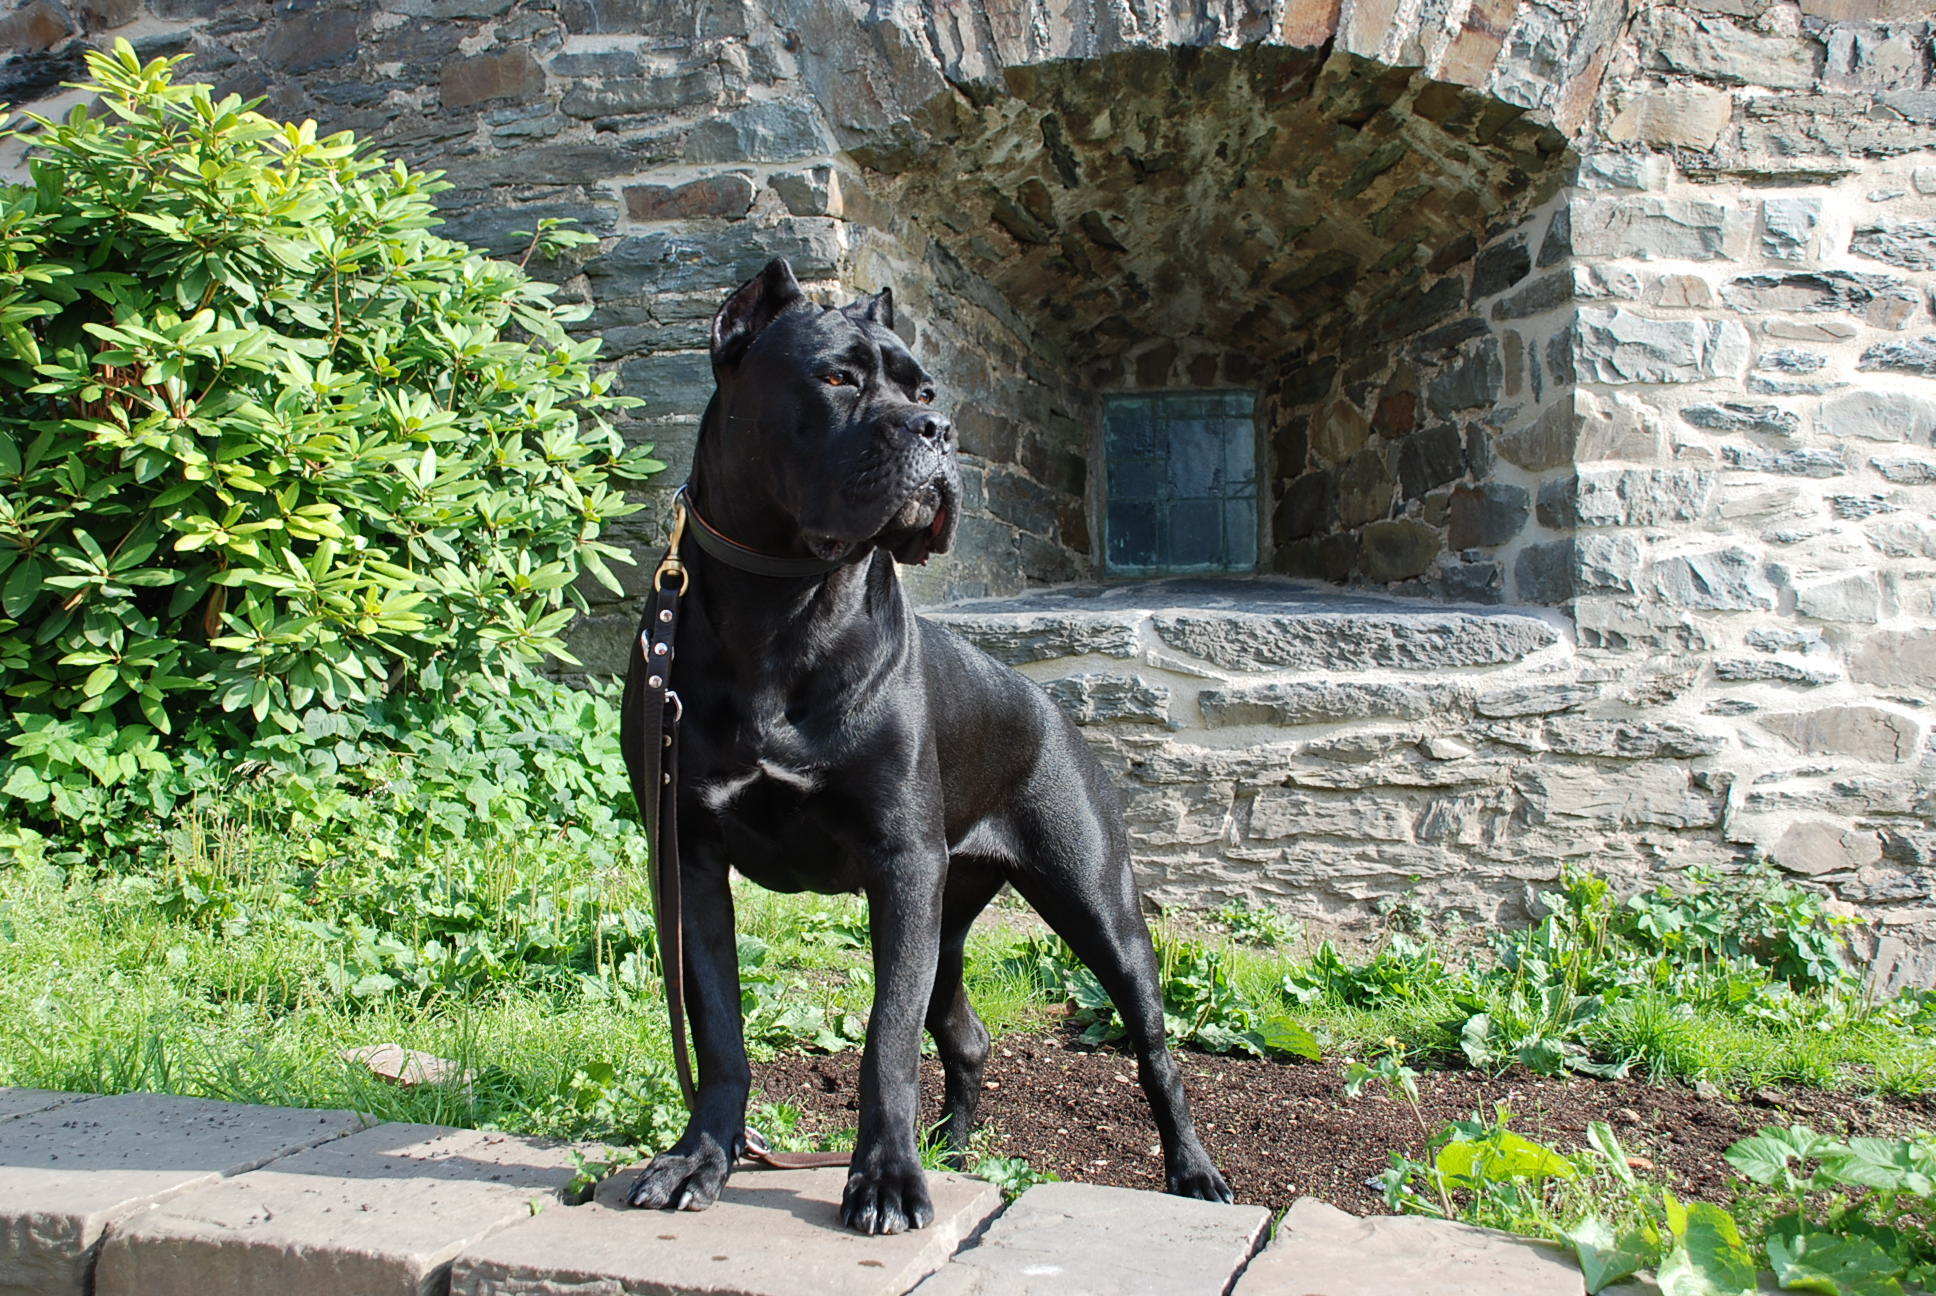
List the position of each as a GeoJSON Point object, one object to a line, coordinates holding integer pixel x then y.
{"type": "Point", "coordinates": [379, 1212]}
{"type": "Point", "coordinates": [774, 1232]}
{"type": "Point", "coordinates": [1062, 1239]}
{"type": "Point", "coordinates": [68, 1173]}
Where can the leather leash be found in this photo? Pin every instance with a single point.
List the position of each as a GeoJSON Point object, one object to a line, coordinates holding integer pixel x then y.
{"type": "Point", "coordinates": [656, 788]}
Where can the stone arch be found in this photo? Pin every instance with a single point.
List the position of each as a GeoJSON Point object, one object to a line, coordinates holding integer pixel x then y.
{"type": "Point", "coordinates": [1320, 228]}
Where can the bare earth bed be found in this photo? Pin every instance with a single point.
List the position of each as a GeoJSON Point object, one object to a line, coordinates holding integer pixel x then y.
{"type": "Point", "coordinates": [1285, 1130]}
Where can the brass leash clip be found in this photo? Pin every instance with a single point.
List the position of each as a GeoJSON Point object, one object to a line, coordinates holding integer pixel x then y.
{"type": "Point", "coordinates": [671, 564]}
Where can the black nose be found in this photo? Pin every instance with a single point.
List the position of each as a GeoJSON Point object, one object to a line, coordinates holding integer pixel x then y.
{"type": "Point", "coordinates": [930, 426]}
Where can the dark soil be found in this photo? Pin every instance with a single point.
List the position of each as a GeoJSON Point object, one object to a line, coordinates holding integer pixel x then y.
{"type": "Point", "coordinates": [1280, 1131]}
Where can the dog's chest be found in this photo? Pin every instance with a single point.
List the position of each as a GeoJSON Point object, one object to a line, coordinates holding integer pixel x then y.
{"type": "Point", "coordinates": [760, 757]}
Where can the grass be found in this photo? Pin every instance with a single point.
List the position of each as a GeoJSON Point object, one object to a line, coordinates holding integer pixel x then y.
{"type": "Point", "coordinates": [247, 965]}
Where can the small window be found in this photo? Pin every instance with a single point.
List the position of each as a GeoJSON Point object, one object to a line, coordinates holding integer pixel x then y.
{"type": "Point", "coordinates": [1182, 482]}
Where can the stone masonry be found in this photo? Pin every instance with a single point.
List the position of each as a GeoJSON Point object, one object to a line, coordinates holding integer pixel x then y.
{"type": "Point", "coordinates": [1618, 312]}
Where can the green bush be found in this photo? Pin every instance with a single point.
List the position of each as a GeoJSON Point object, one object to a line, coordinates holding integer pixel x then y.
{"type": "Point", "coordinates": [272, 451]}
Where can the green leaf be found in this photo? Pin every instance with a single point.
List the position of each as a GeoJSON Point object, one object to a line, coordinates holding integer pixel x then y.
{"type": "Point", "coordinates": [1823, 1261]}
{"type": "Point", "coordinates": [1606, 1257]}
{"type": "Point", "coordinates": [1708, 1257]}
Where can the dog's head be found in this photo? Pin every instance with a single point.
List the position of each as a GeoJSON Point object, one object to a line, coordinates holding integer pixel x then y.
{"type": "Point", "coordinates": [824, 435]}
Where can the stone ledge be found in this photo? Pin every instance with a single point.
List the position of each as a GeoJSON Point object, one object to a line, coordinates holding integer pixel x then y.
{"type": "Point", "coordinates": [1265, 624]}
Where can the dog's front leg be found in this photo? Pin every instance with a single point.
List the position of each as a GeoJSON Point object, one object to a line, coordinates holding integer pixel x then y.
{"type": "Point", "coordinates": [690, 1174]}
{"type": "Point", "coordinates": [887, 1191]}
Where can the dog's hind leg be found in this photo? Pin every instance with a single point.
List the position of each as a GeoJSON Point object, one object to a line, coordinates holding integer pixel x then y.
{"type": "Point", "coordinates": [1077, 877]}
{"type": "Point", "coordinates": [959, 1036]}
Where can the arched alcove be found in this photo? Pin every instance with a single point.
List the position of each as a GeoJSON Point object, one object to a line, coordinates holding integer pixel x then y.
{"type": "Point", "coordinates": [1318, 230]}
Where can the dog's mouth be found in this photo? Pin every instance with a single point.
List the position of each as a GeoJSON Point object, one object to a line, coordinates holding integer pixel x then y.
{"type": "Point", "coordinates": [925, 524]}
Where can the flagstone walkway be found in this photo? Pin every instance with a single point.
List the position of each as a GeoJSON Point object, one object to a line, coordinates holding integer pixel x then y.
{"type": "Point", "coordinates": [169, 1196]}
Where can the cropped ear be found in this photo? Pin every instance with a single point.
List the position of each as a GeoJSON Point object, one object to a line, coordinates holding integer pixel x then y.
{"type": "Point", "coordinates": [753, 305]}
{"type": "Point", "coordinates": [878, 309]}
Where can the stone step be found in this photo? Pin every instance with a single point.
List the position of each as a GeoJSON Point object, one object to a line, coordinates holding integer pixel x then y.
{"type": "Point", "coordinates": [1246, 627]}
{"type": "Point", "coordinates": [1066, 1239]}
{"type": "Point", "coordinates": [1319, 1248]}
{"type": "Point", "coordinates": [24, 1102]}
{"type": "Point", "coordinates": [69, 1172]}
{"type": "Point", "coordinates": [380, 1213]}
{"type": "Point", "coordinates": [772, 1233]}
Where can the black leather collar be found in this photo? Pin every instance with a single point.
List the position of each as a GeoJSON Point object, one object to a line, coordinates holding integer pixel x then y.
{"type": "Point", "coordinates": [736, 555]}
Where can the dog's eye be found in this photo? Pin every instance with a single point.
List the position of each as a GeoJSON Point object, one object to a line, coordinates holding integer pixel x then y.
{"type": "Point", "coordinates": [926, 396]}
{"type": "Point", "coordinates": [838, 378]}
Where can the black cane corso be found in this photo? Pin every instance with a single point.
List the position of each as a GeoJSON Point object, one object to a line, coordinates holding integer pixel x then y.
{"type": "Point", "coordinates": [834, 741]}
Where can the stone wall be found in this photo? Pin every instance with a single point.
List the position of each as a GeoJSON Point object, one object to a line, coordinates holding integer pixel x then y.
{"type": "Point", "coordinates": [1623, 312]}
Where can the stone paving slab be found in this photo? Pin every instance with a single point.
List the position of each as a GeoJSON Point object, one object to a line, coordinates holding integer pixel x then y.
{"type": "Point", "coordinates": [24, 1102]}
{"type": "Point", "coordinates": [773, 1233]}
{"type": "Point", "coordinates": [1320, 1248]}
{"type": "Point", "coordinates": [1065, 1239]}
{"type": "Point", "coordinates": [380, 1213]}
{"type": "Point", "coordinates": [67, 1173]}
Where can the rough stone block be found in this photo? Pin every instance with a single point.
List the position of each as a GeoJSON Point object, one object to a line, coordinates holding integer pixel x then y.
{"type": "Point", "coordinates": [1650, 228]}
{"type": "Point", "coordinates": [1425, 640]}
{"type": "Point", "coordinates": [1721, 580]}
{"type": "Point", "coordinates": [1020, 637]}
{"type": "Point", "coordinates": [1061, 1239]}
{"type": "Point", "coordinates": [1355, 815]}
{"type": "Point", "coordinates": [722, 196]}
{"type": "Point", "coordinates": [1096, 697]}
{"type": "Point", "coordinates": [383, 1211]}
{"type": "Point", "coordinates": [1896, 657]}
{"type": "Point", "coordinates": [1714, 49]}
{"type": "Point", "coordinates": [1626, 497]}
{"type": "Point", "coordinates": [1320, 1248]}
{"type": "Point", "coordinates": [1788, 227]}
{"type": "Point", "coordinates": [664, 261]}
{"type": "Point", "coordinates": [1311, 702]}
{"type": "Point", "coordinates": [773, 1233]}
{"type": "Point", "coordinates": [1618, 346]}
{"type": "Point", "coordinates": [1854, 599]}
{"type": "Point", "coordinates": [772, 131]}
{"type": "Point", "coordinates": [1864, 732]}
{"type": "Point", "coordinates": [1815, 847]}
{"type": "Point", "coordinates": [1879, 416]}
{"type": "Point", "coordinates": [510, 74]}
{"type": "Point", "coordinates": [1485, 516]}
{"type": "Point", "coordinates": [24, 1102]}
{"type": "Point", "coordinates": [1883, 300]}
{"type": "Point", "coordinates": [1908, 244]}
{"type": "Point", "coordinates": [1679, 115]}
{"type": "Point", "coordinates": [1396, 551]}
{"type": "Point", "coordinates": [1731, 416]}
{"type": "Point", "coordinates": [1915, 356]}
{"type": "Point", "coordinates": [68, 1173]}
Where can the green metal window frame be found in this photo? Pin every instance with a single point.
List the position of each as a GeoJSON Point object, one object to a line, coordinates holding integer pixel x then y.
{"type": "Point", "coordinates": [1180, 481]}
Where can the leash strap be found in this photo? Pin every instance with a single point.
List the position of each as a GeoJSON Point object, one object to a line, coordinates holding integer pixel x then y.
{"type": "Point", "coordinates": [656, 788]}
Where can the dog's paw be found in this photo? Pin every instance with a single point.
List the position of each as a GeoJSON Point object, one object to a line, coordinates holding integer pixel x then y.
{"type": "Point", "coordinates": [1202, 1182]}
{"type": "Point", "coordinates": [683, 1180]}
{"type": "Point", "coordinates": [888, 1197]}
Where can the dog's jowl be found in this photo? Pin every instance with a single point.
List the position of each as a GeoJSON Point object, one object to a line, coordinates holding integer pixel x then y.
{"type": "Point", "coordinates": [831, 740]}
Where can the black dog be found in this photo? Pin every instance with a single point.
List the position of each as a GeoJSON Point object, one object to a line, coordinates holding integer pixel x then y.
{"type": "Point", "coordinates": [833, 741]}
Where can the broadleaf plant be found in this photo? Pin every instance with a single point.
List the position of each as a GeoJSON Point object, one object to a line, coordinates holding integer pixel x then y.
{"type": "Point", "coordinates": [268, 444]}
